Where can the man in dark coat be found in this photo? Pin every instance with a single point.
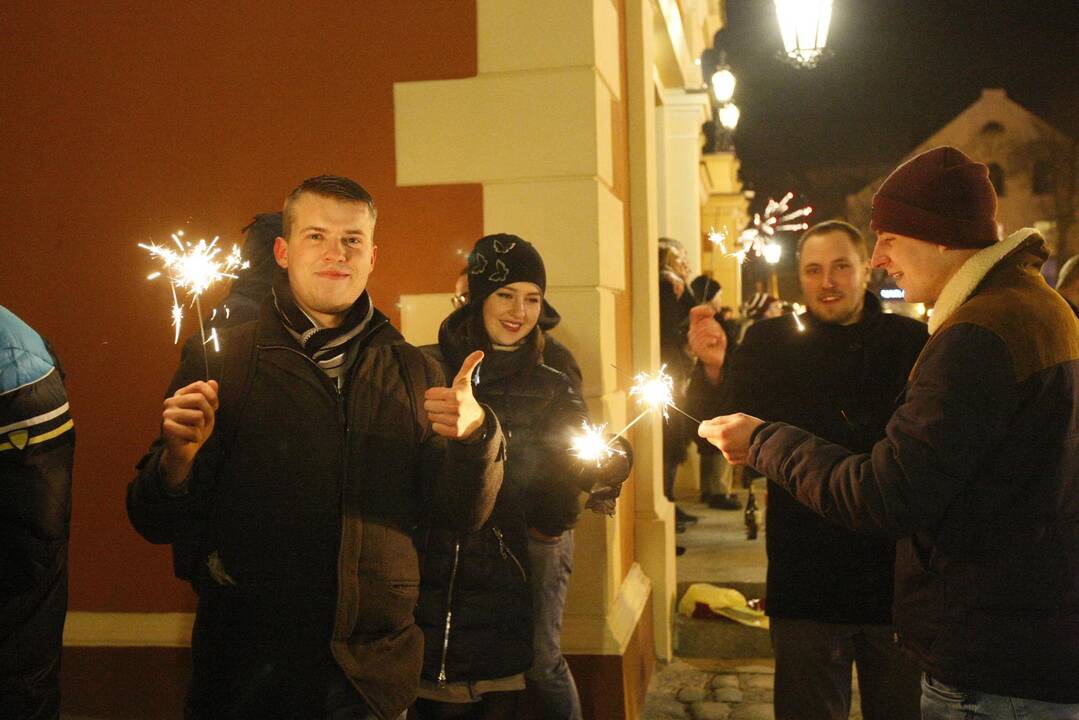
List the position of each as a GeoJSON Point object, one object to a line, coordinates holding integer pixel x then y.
{"type": "Point", "coordinates": [37, 449]}
{"type": "Point", "coordinates": [837, 370]}
{"type": "Point", "coordinates": [308, 490]}
{"type": "Point", "coordinates": [978, 473]}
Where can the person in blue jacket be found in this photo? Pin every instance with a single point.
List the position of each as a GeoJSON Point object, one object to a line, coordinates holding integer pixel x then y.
{"type": "Point", "coordinates": [37, 448]}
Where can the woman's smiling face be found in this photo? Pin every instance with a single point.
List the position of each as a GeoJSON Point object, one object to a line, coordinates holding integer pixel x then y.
{"type": "Point", "coordinates": [511, 311]}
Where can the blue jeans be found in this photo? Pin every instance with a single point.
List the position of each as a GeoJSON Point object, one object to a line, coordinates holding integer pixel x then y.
{"type": "Point", "coordinates": [550, 677]}
{"type": "Point", "coordinates": [947, 702]}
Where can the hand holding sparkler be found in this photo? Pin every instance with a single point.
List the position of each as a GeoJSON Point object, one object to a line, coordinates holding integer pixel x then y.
{"type": "Point", "coordinates": [707, 340]}
{"type": "Point", "coordinates": [186, 424]}
{"type": "Point", "coordinates": [731, 434]}
{"type": "Point", "coordinates": [602, 476]}
{"type": "Point", "coordinates": [453, 411]}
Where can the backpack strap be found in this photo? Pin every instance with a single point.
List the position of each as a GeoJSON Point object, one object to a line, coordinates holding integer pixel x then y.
{"type": "Point", "coordinates": [414, 371]}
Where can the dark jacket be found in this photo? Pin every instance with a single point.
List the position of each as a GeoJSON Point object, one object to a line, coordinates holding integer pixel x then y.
{"type": "Point", "coordinates": [840, 382]}
{"type": "Point", "coordinates": [979, 474]}
{"type": "Point", "coordinates": [317, 490]}
{"type": "Point", "coordinates": [37, 447]}
{"type": "Point", "coordinates": [555, 354]}
{"type": "Point", "coordinates": [483, 577]}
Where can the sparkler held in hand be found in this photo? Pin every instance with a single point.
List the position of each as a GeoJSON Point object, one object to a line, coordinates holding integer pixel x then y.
{"type": "Point", "coordinates": [193, 268]}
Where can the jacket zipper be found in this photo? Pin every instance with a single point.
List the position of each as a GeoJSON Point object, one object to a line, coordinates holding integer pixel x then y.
{"type": "Point", "coordinates": [507, 553]}
{"type": "Point", "coordinates": [449, 614]}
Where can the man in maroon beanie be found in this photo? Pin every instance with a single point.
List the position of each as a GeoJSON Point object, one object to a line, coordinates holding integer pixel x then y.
{"type": "Point", "coordinates": [978, 474]}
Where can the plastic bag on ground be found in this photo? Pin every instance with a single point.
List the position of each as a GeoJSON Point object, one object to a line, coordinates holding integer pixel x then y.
{"type": "Point", "coordinates": [703, 600]}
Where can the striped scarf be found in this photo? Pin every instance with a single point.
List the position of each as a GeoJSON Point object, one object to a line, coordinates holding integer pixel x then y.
{"type": "Point", "coordinates": [329, 348]}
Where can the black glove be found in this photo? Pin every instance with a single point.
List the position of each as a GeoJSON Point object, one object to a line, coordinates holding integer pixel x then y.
{"type": "Point", "coordinates": [611, 474]}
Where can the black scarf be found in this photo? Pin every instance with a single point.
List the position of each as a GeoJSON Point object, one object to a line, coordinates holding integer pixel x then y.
{"type": "Point", "coordinates": [463, 332]}
{"type": "Point", "coordinates": [326, 346]}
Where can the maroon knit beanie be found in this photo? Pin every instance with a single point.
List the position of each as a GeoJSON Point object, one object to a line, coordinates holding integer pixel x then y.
{"type": "Point", "coordinates": [940, 196]}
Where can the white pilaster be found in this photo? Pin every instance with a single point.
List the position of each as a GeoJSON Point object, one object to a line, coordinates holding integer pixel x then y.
{"type": "Point", "coordinates": [678, 176]}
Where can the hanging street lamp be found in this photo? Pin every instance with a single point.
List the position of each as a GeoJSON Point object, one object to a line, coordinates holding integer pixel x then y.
{"type": "Point", "coordinates": [728, 116]}
{"type": "Point", "coordinates": [723, 82]}
{"type": "Point", "coordinates": [804, 27]}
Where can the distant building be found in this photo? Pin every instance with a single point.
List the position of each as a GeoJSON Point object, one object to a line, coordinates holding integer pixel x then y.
{"type": "Point", "coordinates": [1032, 165]}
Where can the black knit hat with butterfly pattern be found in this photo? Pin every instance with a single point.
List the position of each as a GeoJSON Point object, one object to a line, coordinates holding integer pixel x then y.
{"type": "Point", "coordinates": [500, 260]}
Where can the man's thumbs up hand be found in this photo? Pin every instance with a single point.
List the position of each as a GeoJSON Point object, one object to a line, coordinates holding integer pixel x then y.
{"type": "Point", "coordinates": [453, 411]}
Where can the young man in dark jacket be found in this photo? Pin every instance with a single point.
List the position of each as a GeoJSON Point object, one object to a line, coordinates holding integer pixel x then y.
{"type": "Point", "coordinates": [979, 470]}
{"type": "Point", "coordinates": [837, 370]}
{"type": "Point", "coordinates": [37, 448]}
{"type": "Point", "coordinates": [307, 493]}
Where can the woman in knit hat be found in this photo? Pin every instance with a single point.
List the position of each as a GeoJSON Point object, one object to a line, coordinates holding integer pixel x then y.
{"type": "Point", "coordinates": [477, 590]}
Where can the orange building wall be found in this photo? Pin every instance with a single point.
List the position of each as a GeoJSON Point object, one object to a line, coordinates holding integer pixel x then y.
{"type": "Point", "coordinates": [123, 121]}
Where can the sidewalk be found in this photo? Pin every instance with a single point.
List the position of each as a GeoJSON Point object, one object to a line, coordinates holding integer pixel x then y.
{"type": "Point", "coordinates": [701, 689]}
{"type": "Point", "coordinates": [721, 670]}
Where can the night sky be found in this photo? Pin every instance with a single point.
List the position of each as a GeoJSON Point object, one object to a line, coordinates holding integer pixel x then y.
{"type": "Point", "coordinates": [899, 70]}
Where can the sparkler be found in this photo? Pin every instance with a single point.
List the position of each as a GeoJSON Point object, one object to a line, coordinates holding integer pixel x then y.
{"type": "Point", "coordinates": [193, 268]}
{"type": "Point", "coordinates": [718, 238]}
{"type": "Point", "coordinates": [591, 446]}
{"type": "Point", "coordinates": [654, 393]}
{"type": "Point", "coordinates": [777, 217]}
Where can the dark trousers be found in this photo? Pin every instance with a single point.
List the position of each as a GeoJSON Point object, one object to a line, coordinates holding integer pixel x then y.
{"type": "Point", "coordinates": [251, 662]}
{"type": "Point", "coordinates": [813, 672]}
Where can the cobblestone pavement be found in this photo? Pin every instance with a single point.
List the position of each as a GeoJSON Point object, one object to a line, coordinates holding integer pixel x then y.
{"type": "Point", "coordinates": [716, 690]}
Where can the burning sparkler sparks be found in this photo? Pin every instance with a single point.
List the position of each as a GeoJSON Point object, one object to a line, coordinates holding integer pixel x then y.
{"type": "Point", "coordinates": [592, 447]}
{"type": "Point", "coordinates": [758, 238]}
{"type": "Point", "coordinates": [654, 392]}
{"type": "Point", "coordinates": [193, 268]}
{"type": "Point", "coordinates": [718, 238]}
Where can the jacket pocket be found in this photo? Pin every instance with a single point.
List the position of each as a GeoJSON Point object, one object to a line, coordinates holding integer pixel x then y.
{"type": "Point", "coordinates": [405, 588]}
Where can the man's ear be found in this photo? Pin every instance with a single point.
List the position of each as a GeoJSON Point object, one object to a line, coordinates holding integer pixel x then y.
{"type": "Point", "coordinates": [374, 255]}
{"type": "Point", "coordinates": [280, 251]}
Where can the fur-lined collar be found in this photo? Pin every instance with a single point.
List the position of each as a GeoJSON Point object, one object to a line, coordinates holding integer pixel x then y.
{"type": "Point", "coordinates": [973, 271]}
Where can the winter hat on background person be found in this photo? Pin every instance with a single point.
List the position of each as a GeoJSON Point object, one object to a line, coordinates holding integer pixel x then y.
{"type": "Point", "coordinates": [500, 260]}
{"type": "Point", "coordinates": [940, 196]}
{"type": "Point", "coordinates": [758, 305]}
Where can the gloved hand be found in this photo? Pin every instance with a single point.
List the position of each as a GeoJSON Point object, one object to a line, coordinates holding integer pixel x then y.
{"type": "Point", "coordinates": [609, 477]}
